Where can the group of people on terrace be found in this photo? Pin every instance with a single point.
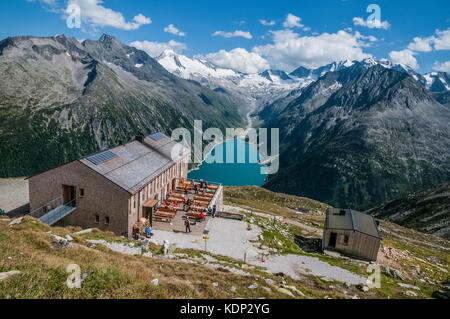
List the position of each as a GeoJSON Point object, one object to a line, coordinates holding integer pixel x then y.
{"type": "Point", "coordinates": [193, 198]}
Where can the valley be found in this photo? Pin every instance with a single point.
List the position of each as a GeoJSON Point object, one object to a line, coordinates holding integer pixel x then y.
{"type": "Point", "coordinates": [352, 133]}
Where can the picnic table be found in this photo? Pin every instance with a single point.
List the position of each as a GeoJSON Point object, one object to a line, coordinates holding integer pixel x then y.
{"type": "Point", "coordinates": [202, 198]}
{"type": "Point", "coordinates": [165, 214]}
{"type": "Point", "coordinates": [194, 215]}
{"type": "Point", "coordinates": [168, 209]}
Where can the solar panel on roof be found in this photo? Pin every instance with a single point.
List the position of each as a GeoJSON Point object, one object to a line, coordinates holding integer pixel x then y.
{"type": "Point", "coordinates": [157, 136]}
{"type": "Point", "coordinates": [101, 157]}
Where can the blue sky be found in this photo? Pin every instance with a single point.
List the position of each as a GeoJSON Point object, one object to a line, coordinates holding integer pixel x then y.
{"type": "Point", "coordinates": [231, 33]}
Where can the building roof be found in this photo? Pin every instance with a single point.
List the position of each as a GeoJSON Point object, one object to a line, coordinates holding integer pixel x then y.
{"type": "Point", "coordinates": [348, 219]}
{"type": "Point", "coordinates": [137, 163]}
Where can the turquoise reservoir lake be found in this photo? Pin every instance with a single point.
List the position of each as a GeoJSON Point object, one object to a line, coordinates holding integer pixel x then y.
{"type": "Point", "coordinates": [241, 171]}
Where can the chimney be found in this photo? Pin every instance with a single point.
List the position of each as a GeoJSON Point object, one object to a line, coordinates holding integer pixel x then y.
{"type": "Point", "coordinates": [140, 137]}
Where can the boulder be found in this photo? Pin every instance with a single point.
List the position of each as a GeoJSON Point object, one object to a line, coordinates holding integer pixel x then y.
{"type": "Point", "coordinates": [286, 292]}
{"type": "Point", "coordinates": [293, 288]}
{"type": "Point", "coordinates": [59, 242]}
{"type": "Point", "coordinates": [85, 231]}
{"type": "Point", "coordinates": [408, 286]}
{"type": "Point", "coordinates": [165, 247]}
{"type": "Point", "coordinates": [155, 282]}
{"type": "Point", "coordinates": [362, 288]}
{"type": "Point", "coordinates": [15, 221]}
{"type": "Point", "coordinates": [6, 275]}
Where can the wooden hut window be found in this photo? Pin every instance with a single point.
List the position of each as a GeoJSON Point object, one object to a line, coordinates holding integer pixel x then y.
{"type": "Point", "coordinates": [97, 219]}
{"type": "Point", "coordinates": [346, 239]}
{"type": "Point", "coordinates": [106, 220]}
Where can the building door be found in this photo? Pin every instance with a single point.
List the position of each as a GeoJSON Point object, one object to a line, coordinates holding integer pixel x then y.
{"type": "Point", "coordinates": [332, 242]}
{"type": "Point", "coordinates": [68, 194]}
{"type": "Point", "coordinates": [174, 184]}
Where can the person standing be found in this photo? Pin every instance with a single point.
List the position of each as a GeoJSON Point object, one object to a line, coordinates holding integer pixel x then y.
{"type": "Point", "coordinates": [214, 211]}
{"type": "Point", "coordinates": [187, 223]}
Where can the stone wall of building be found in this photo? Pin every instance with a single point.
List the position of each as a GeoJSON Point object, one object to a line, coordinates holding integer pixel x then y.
{"type": "Point", "coordinates": [104, 204]}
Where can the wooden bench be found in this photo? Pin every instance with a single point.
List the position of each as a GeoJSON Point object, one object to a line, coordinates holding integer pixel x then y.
{"type": "Point", "coordinates": [202, 198]}
{"type": "Point", "coordinates": [164, 214]}
{"type": "Point", "coordinates": [167, 210]}
{"type": "Point", "coordinates": [201, 203]}
{"type": "Point", "coordinates": [195, 216]}
{"type": "Point", "coordinates": [162, 219]}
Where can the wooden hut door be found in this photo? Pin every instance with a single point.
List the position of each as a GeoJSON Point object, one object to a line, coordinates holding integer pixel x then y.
{"type": "Point", "coordinates": [332, 242]}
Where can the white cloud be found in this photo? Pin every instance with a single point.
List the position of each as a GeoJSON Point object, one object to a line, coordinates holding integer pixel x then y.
{"type": "Point", "coordinates": [421, 44]}
{"type": "Point", "coordinates": [293, 21]}
{"type": "Point", "coordinates": [267, 22]}
{"type": "Point", "coordinates": [444, 66]}
{"type": "Point", "coordinates": [442, 40]}
{"type": "Point", "coordinates": [154, 49]}
{"type": "Point", "coordinates": [239, 60]}
{"type": "Point", "coordinates": [172, 29]}
{"type": "Point", "coordinates": [405, 57]}
{"type": "Point", "coordinates": [439, 41]}
{"type": "Point", "coordinates": [357, 21]}
{"type": "Point", "coordinates": [237, 33]}
{"type": "Point", "coordinates": [96, 15]}
{"type": "Point", "coordinates": [290, 50]}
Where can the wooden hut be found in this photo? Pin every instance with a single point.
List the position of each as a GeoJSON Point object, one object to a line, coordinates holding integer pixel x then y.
{"type": "Point", "coordinates": [352, 233]}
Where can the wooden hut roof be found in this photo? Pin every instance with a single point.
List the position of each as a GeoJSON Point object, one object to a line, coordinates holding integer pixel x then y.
{"type": "Point", "coordinates": [348, 219]}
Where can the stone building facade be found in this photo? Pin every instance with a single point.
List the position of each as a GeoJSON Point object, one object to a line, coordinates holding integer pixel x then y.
{"type": "Point", "coordinates": [111, 190]}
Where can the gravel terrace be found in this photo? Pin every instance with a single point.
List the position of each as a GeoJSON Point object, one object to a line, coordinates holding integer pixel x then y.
{"type": "Point", "coordinates": [231, 238]}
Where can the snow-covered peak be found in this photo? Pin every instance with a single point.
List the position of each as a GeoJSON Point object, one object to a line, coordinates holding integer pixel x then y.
{"type": "Point", "coordinates": [187, 68]}
{"type": "Point", "coordinates": [276, 76]}
{"type": "Point", "coordinates": [437, 81]}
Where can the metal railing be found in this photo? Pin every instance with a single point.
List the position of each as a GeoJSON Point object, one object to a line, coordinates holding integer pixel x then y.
{"type": "Point", "coordinates": [41, 211]}
{"type": "Point", "coordinates": [59, 213]}
{"type": "Point", "coordinates": [198, 181]}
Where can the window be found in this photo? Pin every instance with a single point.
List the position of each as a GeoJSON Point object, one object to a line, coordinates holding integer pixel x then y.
{"type": "Point", "coordinates": [143, 196]}
{"type": "Point", "coordinates": [134, 202]}
{"type": "Point", "coordinates": [106, 220]}
{"type": "Point", "coordinates": [345, 239]}
{"type": "Point", "coordinates": [97, 219]}
{"type": "Point", "coordinates": [81, 192]}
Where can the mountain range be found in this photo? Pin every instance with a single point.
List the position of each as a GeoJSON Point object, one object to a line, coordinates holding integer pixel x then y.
{"type": "Point", "coordinates": [360, 135]}
{"type": "Point", "coordinates": [61, 98]}
{"type": "Point", "coordinates": [351, 132]}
